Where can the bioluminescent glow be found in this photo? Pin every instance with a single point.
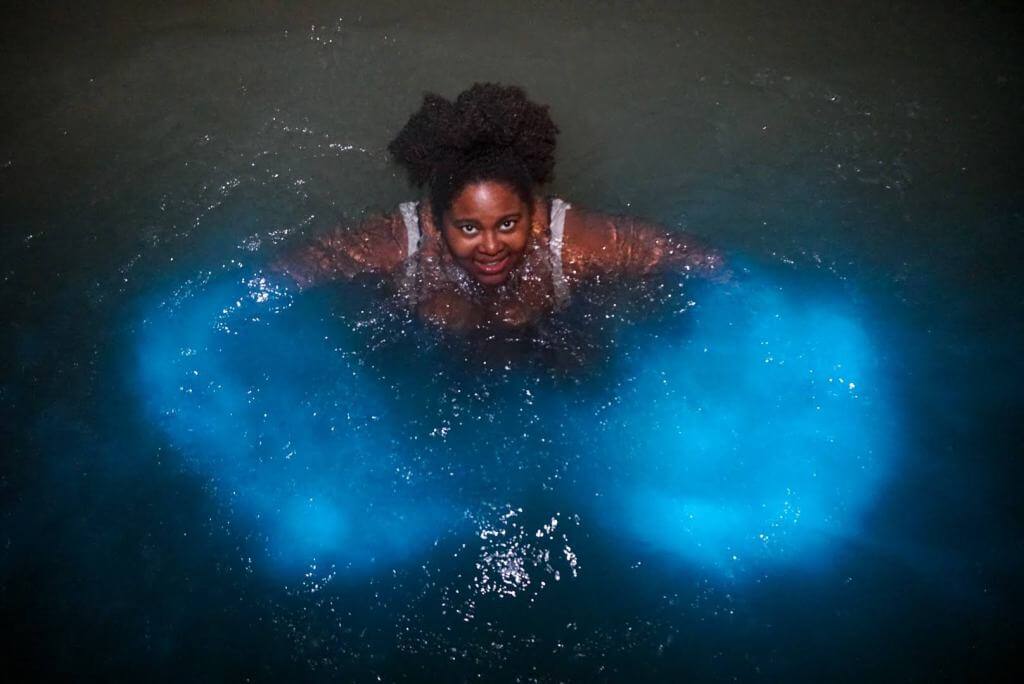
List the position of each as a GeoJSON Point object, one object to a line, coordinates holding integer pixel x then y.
{"type": "Point", "coordinates": [759, 436]}
{"type": "Point", "coordinates": [291, 435]}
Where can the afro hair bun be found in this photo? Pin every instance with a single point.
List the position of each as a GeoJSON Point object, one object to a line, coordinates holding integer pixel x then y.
{"type": "Point", "coordinates": [486, 121]}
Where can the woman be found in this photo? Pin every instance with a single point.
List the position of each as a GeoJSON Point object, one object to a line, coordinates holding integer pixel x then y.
{"type": "Point", "coordinates": [485, 246]}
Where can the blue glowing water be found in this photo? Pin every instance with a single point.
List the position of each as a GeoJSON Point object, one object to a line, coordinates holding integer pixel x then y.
{"type": "Point", "coordinates": [757, 433]}
{"type": "Point", "coordinates": [290, 432]}
{"type": "Point", "coordinates": [762, 435]}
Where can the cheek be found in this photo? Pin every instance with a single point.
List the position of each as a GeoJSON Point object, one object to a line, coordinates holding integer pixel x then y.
{"type": "Point", "coordinates": [519, 243]}
{"type": "Point", "coordinates": [458, 244]}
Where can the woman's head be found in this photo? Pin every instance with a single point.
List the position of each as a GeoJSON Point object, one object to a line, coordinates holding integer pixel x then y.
{"type": "Point", "coordinates": [490, 145]}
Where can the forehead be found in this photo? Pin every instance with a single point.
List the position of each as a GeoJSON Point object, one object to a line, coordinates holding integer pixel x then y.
{"type": "Point", "coordinates": [487, 199]}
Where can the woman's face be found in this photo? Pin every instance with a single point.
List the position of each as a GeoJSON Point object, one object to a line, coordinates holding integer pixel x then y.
{"type": "Point", "coordinates": [487, 229]}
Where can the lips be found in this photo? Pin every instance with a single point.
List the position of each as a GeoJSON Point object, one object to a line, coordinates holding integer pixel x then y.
{"type": "Point", "coordinates": [493, 267]}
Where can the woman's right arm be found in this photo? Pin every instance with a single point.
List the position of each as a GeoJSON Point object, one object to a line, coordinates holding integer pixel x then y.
{"type": "Point", "coordinates": [378, 245]}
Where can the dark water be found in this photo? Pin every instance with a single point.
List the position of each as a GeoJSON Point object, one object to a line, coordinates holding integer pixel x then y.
{"type": "Point", "coordinates": [810, 473]}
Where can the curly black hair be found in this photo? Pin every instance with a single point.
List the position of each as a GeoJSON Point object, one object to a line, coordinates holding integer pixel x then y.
{"type": "Point", "coordinates": [490, 132]}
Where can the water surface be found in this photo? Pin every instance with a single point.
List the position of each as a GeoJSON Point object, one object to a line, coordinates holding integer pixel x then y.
{"type": "Point", "coordinates": [810, 473]}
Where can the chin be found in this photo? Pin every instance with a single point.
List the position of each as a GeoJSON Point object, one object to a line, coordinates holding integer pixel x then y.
{"type": "Point", "coordinates": [492, 281]}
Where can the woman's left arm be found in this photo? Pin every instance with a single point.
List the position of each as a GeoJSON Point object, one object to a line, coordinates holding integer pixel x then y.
{"type": "Point", "coordinates": [600, 244]}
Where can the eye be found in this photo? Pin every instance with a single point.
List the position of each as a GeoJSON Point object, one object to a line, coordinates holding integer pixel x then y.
{"type": "Point", "coordinates": [508, 224]}
{"type": "Point", "coordinates": [468, 229]}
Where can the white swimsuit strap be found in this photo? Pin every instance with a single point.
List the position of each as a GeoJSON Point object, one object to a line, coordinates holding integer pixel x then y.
{"type": "Point", "coordinates": [560, 286]}
{"type": "Point", "coordinates": [411, 217]}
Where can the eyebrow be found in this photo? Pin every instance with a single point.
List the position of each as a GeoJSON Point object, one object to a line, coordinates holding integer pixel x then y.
{"type": "Point", "coordinates": [516, 214]}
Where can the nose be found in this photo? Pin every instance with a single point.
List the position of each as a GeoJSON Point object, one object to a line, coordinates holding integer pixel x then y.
{"type": "Point", "coordinates": [489, 245]}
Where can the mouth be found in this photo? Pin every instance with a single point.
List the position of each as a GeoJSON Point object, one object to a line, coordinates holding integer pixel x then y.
{"type": "Point", "coordinates": [491, 270]}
